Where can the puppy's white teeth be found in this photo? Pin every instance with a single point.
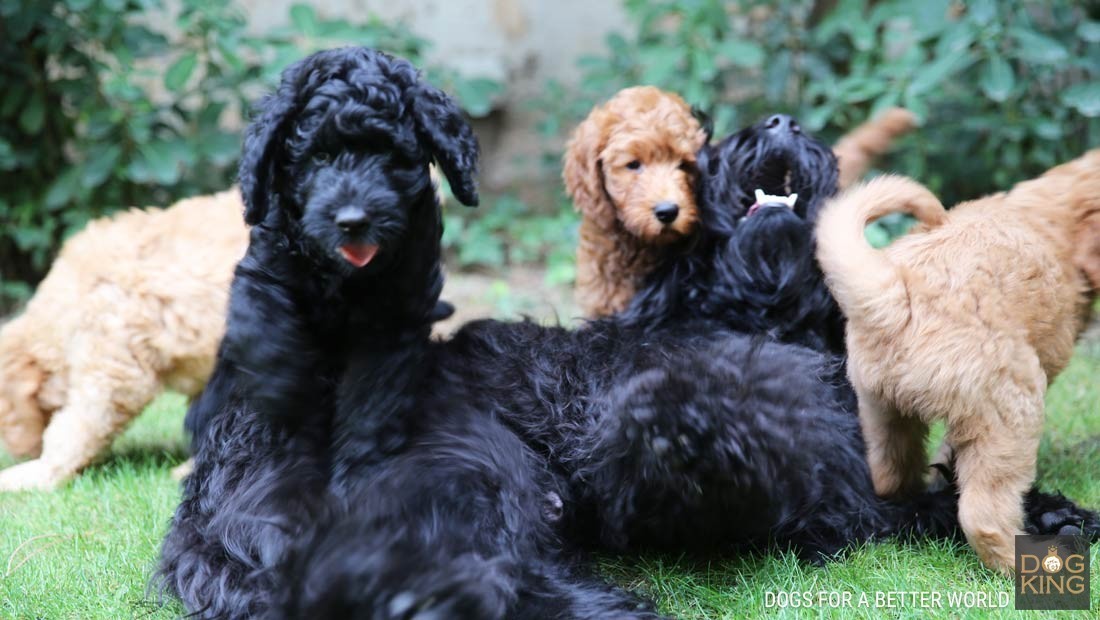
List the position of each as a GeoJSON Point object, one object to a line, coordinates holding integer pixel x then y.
{"type": "Point", "coordinates": [763, 199]}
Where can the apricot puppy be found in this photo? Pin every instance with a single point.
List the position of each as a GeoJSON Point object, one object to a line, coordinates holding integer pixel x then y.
{"type": "Point", "coordinates": [967, 319]}
{"type": "Point", "coordinates": [630, 168]}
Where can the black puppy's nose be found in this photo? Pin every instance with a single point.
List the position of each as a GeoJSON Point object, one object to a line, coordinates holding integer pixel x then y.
{"type": "Point", "coordinates": [351, 219]}
{"type": "Point", "coordinates": [666, 212]}
{"type": "Point", "coordinates": [782, 123]}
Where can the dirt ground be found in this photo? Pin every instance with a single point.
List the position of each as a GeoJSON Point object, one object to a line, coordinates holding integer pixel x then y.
{"type": "Point", "coordinates": [512, 293]}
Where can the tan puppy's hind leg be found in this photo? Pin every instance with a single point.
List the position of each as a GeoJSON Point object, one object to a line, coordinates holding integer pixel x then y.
{"type": "Point", "coordinates": [996, 466]}
{"type": "Point", "coordinates": [79, 432]}
{"type": "Point", "coordinates": [994, 474]}
{"type": "Point", "coordinates": [895, 447]}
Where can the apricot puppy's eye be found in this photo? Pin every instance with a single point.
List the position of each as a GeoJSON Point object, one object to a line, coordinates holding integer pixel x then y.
{"type": "Point", "coordinates": [634, 165]}
{"type": "Point", "coordinates": [687, 166]}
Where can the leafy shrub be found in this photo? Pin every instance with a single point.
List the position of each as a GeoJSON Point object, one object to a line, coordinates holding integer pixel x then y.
{"type": "Point", "coordinates": [104, 111]}
{"type": "Point", "coordinates": [508, 231]}
{"type": "Point", "coordinates": [1005, 88]}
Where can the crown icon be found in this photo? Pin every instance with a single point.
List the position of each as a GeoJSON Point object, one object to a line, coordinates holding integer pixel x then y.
{"type": "Point", "coordinates": [1052, 563]}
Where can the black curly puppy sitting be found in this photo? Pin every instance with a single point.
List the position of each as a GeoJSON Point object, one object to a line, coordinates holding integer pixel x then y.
{"type": "Point", "coordinates": [325, 484]}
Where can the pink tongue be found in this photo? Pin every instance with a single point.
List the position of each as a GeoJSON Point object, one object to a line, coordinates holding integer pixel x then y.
{"type": "Point", "coordinates": [753, 209]}
{"type": "Point", "coordinates": [358, 255]}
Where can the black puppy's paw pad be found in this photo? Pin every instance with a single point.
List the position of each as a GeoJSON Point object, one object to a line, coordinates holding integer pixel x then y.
{"type": "Point", "coordinates": [1049, 514]}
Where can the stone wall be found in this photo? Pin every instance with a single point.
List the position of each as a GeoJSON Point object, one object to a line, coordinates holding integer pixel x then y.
{"type": "Point", "coordinates": [520, 43]}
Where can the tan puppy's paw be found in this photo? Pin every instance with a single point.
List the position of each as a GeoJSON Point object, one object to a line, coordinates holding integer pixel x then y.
{"type": "Point", "coordinates": [36, 475]}
{"type": "Point", "coordinates": [996, 550]}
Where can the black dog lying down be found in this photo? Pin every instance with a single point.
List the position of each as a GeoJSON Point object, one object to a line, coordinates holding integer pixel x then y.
{"type": "Point", "coordinates": [753, 269]}
{"type": "Point", "coordinates": [347, 466]}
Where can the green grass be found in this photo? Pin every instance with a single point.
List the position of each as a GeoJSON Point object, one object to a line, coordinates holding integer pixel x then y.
{"type": "Point", "coordinates": [87, 551]}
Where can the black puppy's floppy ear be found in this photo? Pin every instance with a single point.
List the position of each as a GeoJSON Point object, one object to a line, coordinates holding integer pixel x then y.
{"type": "Point", "coordinates": [444, 132]}
{"type": "Point", "coordinates": [256, 173]}
{"type": "Point", "coordinates": [705, 121]}
{"type": "Point", "coordinates": [718, 189]}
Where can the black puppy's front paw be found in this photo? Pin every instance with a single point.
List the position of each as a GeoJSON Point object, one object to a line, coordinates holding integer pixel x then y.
{"type": "Point", "coordinates": [1055, 514]}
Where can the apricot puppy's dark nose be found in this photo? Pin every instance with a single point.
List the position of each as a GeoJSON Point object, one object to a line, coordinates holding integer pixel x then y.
{"type": "Point", "coordinates": [351, 219]}
{"type": "Point", "coordinates": [666, 212]}
{"type": "Point", "coordinates": [781, 123]}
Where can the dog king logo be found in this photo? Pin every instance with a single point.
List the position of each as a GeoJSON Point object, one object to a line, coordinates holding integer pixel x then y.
{"type": "Point", "coordinates": [1052, 572]}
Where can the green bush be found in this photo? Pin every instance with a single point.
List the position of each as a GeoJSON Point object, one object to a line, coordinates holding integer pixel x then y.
{"type": "Point", "coordinates": [103, 111]}
{"type": "Point", "coordinates": [1004, 89]}
{"type": "Point", "coordinates": [509, 231]}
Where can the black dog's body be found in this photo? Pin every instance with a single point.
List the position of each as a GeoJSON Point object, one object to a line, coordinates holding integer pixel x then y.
{"type": "Point", "coordinates": [690, 437]}
{"type": "Point", "coordinates": [347, 466]}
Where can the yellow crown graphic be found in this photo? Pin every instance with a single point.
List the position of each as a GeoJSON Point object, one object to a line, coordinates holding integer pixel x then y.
{"type": "Point", "coordinates": [1052, 563]}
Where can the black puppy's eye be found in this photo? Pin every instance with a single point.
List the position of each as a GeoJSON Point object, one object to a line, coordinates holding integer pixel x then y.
{"type": "Point", "coordinates": [321, 157]}
{"type": "Point", "coordinates": [634, 165]}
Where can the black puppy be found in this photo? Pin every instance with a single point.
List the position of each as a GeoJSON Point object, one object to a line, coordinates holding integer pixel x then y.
{"type": "Point", "coordinates": [325, 485]}
{"type": "Point", "coordinates": [317, 154]}
{"type": "Point", "coordinates": [753, 266]}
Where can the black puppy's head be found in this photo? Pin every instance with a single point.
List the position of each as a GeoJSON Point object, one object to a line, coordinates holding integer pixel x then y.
{"type": "Point", "coordinates": [753, 268]}
{"type": "Point", "coordinates": [342, 150]}
{"type": "Point", "coordinates": [774, 157]}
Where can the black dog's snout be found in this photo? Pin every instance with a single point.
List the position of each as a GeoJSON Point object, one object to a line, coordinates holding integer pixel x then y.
{"type": "Point", "coordinates": [666, 212]}
{"type": "Point", "coordinates": [351, 219]}
{"type": "Point", "coordinates": [782, 123]}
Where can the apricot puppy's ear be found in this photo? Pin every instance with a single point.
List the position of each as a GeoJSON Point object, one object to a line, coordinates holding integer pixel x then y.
{"type": "Point", "coordinates": [583, 173]}
{"type": "Point", "coordinates": [1087, 254]}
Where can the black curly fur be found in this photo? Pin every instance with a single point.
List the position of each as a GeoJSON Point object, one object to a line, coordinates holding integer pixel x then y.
{"type": "Point", "coordinates": [325, 485]}
{"type": "Point", "coordinates": [348, 466]}
{"type": "Point", "coordinates": [755, 273]}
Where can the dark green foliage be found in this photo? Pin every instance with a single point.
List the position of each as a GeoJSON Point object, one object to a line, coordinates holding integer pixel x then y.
{"type": "Point", "coordinates": [101, 111]}
{"type": "Point", "coordinates": [508, 231]}
{"type": "Point", "coordinates": [1004, 89]}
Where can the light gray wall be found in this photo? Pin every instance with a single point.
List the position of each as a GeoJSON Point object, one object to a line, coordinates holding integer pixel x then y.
{"type": "Point", "coordinates": [520, 43]}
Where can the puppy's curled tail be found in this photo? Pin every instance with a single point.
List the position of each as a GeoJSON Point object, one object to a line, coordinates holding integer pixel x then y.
{"type": "Point", "coordinates": [866, 284]}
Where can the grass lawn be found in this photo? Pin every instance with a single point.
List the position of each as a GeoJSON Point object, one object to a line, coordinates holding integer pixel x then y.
{"type": "Point", "coordinates": [86, 551]}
